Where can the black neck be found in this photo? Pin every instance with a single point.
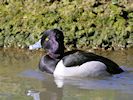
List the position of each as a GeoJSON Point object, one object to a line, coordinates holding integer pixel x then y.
{"type": "Point", "coordinates": [56, 56]}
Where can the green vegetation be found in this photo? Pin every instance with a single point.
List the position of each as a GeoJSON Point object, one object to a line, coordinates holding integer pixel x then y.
{"type": "Point", "coordinates": [104, 24]}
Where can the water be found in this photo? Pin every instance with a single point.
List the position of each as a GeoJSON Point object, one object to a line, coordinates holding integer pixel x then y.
{"type": "Point", "coordinates": [20, 79]}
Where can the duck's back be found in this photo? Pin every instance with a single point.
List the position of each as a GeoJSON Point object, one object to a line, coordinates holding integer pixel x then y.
{"type": "Point", "coordinates": [80, 57]}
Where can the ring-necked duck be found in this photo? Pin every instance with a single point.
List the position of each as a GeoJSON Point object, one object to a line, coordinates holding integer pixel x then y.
{"type": "Point", "coordinates": [72, 63]}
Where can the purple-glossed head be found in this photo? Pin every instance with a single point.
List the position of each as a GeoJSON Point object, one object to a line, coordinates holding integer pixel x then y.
{"type": "Point", "coordinates": [53, 41]}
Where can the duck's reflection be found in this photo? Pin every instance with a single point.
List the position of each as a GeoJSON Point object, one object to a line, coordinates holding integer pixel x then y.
{"type": "Point", "coordinates": [58, 89]}
{"type": "Point", "coordinates": [44, 95]}
{"type": "Point", "coordinates": [50, 92]}
{"type": "Point", "coordinates": [35, 94]}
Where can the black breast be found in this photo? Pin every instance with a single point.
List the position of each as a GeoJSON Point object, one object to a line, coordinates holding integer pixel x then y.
{"type": "Point", "coordinates": [48, 64]}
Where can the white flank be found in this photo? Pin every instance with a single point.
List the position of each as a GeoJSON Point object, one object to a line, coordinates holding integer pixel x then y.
{"type": "Point", "coordinates": [91, 68]}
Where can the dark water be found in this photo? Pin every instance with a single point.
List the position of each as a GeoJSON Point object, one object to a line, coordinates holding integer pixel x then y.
{"type": "Point", "coordinates": [21, 80]}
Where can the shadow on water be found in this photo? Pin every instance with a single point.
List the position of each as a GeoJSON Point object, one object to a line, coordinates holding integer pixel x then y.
{"type": "Point", "coordinates": [21, 80]}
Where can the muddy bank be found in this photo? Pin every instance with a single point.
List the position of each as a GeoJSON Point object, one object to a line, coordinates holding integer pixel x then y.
{"type": "Point", "coordinates": [93, 24]}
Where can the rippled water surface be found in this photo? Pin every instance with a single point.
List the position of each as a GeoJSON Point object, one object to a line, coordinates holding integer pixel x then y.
{"type": "Point", "coordinates": [20, 79]}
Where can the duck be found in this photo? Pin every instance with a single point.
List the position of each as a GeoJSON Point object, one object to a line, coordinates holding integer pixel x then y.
{"type": "Point", "coordinates": [75, 63]}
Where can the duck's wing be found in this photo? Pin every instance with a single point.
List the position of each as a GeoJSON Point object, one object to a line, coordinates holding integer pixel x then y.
{"type": "Point", "coordinates": [81, 57]}
{"type": "Point", "coordinates": [78, 58]}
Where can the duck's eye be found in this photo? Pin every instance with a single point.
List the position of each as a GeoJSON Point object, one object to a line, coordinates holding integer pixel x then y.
{"type": "Point", "coordinates": [46, 39]}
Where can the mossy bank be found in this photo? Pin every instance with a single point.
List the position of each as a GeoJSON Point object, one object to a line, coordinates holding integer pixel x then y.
{"type": "Point", "coordinates": [93, 24]}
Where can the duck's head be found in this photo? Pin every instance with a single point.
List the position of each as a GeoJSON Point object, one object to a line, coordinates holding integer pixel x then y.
{"type": "Point", "coordinates": [53, 42]}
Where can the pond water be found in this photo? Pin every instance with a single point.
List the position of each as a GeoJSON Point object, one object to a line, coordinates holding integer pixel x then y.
{"type": "Point", "coordinates": [20, 79]}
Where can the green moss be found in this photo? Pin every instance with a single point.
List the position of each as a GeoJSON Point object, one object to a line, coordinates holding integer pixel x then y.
{"type": "Point", "coordinates": [85, 23]}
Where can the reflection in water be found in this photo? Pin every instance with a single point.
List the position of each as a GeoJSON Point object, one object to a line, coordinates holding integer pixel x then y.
{"type": "Point", "coordinates": [19, 74]}
{"type": "Point", "coordinates": [120, 82]}
{"type": "Point", "coordinates": [53, 94]}
{"type": "Point", "coordinates": [34, 94]}
{"type": "Point", "coordinates": [49, 90]}
{"type": "Point", "coordinates": [111, 87]}
{"type": "Point", "coordinates": [60, 89]}
{"type": "Point", "coordinates": [43, 95]}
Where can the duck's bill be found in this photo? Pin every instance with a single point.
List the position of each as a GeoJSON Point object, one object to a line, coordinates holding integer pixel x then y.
{"type": "Point", "coordinates": [37, 45]}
